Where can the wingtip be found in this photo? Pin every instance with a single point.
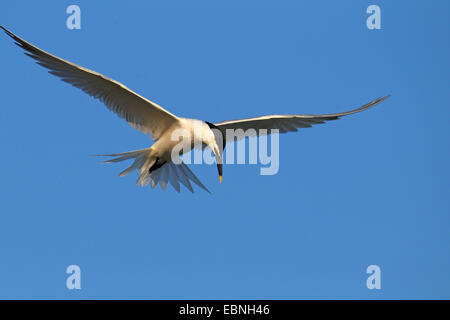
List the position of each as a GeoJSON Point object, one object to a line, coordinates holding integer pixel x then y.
{"type": "Point", "coordinates": [9, 33]}
{"type": "Point", "coordinates": [382, 99]}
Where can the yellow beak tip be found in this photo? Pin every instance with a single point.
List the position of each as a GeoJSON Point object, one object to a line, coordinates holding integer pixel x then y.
{"type": "Point", "coordinates": [220, 179]}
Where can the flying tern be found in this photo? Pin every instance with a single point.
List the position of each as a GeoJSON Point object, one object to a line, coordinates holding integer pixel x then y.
{"type": "Point", "coordinates": [154, 164]}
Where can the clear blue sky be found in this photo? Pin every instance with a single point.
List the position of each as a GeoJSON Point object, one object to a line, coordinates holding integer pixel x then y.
{"type": "Point", "coordinates": [372, 188]}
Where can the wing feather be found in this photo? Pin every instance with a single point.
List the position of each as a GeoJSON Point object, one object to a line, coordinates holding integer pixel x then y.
{"type": "Point", "coordinates": [289, 122]}
{"type": "Point", "coordinates": [139, 112]}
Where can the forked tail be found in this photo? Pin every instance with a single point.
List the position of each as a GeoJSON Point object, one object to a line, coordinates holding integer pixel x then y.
{"type": "Point", "coordinates": [168, 172]}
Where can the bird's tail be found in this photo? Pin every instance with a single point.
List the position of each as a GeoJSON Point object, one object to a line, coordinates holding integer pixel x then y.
{"type": "Point", "coordinates": [169, 172]}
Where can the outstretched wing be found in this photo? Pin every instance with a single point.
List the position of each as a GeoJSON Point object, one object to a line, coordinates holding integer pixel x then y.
{"type": "Point", "coordinates": [288, 122]}
{"type": "Point", "coordinates": [140, 113]}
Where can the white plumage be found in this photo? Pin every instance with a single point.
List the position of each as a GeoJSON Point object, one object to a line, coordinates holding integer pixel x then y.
{"type": "Point", "coordinates": [154, 164]}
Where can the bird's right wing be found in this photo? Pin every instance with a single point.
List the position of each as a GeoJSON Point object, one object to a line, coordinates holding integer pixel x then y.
{"type": "Point", "coordinates": [287, 122]}
{"type": "Point", "coordinates": [140, 113]}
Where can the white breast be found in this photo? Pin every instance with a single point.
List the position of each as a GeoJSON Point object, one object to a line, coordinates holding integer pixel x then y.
{"type": "Point", "coordinates": [186, 135]}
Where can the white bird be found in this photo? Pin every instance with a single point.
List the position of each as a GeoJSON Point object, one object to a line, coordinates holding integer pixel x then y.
{"type": "Point", "coordinates": [154, 164]}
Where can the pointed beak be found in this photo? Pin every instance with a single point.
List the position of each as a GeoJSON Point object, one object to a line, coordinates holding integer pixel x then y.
{"type": "Point", "coordinates": [219, 169]}
{"type": "Point", "coordinates": [218, 156]}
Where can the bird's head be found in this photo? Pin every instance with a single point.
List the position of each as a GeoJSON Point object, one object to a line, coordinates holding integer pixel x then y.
{"type": "Point", "coordinates": [217, 145]}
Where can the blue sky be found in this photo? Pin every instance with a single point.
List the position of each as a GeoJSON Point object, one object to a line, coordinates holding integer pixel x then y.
{"type": "Point", "coordinates": [371, 188]}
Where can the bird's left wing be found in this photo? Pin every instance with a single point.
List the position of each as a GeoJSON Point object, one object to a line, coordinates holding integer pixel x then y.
{"type": "Point", "coordinates": [287, 122]}
{"type": "Point", "coordinates": [140, 113]}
